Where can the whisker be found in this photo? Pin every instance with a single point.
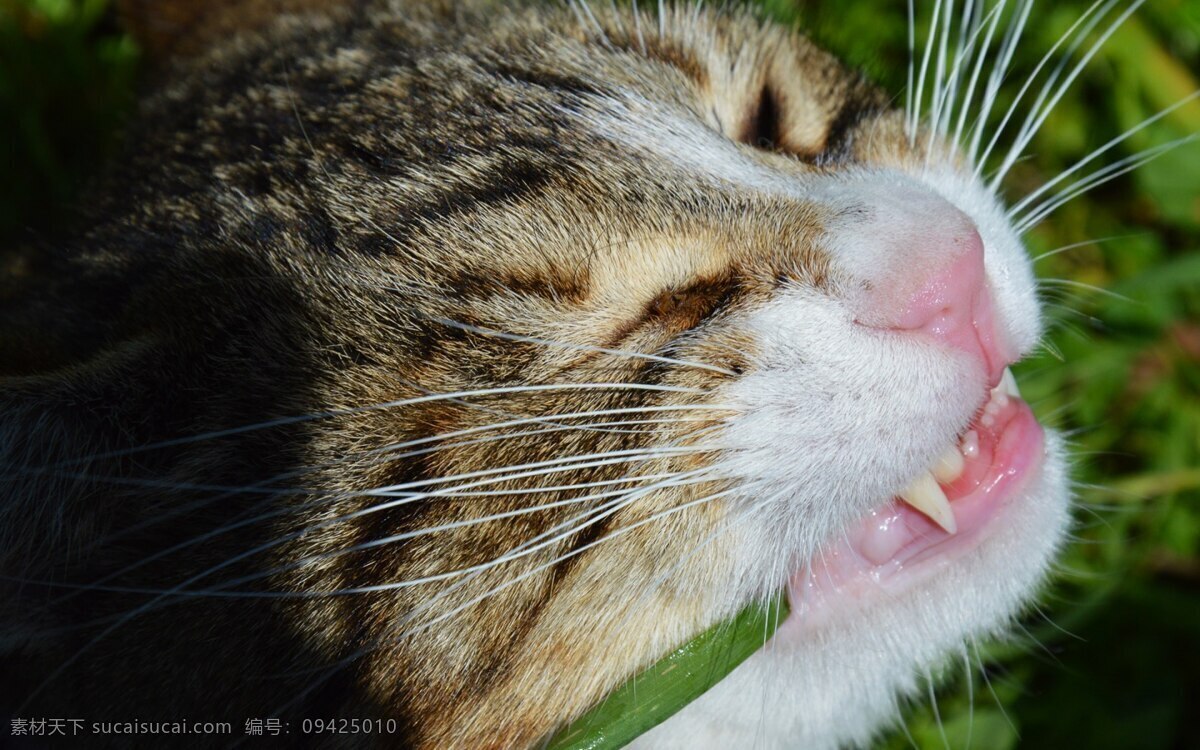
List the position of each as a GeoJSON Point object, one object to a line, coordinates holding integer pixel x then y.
{"type": "Point", "coordinates": [1089, 287]}
{"type": "Point", "coordinates": [1008, 47]}
{"type": "Point", "coordinates": [980, 57]}
{"type": "Point", "coordinates": [940, 73]}
{"type": "Point", "coordinates": [383, 406]}
{"type": "Point", "coordinates": [1064, 59]}
{"type": "Point", "coordinates": [996, 133]}
{"type": "Point", "coordinates": [61, 669]}
{"type": "Point", "coordinates": [937, 715]}
{"type": "Point", "coordinates": [962, 49]}
{"type": "Point", "coordinates": [1019, 146]}
{"type": "Point", "coordinates": [909, 110]}
{"type": "Point", "coordinates": [624, 497]}
{"type": "Point", "coordinates": [983, 672]}
{"type": "Point", "coordinates": [1016, 209]}
{"type": "Point", "coordinates": [1099, 177]}
{"type": "Point", "coordinates": [970, 697]}
{"type": "Point", "coordinates": [1083, 243]}
{"type": "Point", "coordinates": [608, 537]}
{"type": "Point", "coordinates": [404, 499]}
{"type": "Point", "coordinates": [495, 590]}
{"type": "Point", "coordinates": [920, 95]}
{"type": "Point", "coordinates": [258, 489]}
{"type": "Point", "coordinates": [320, 497]}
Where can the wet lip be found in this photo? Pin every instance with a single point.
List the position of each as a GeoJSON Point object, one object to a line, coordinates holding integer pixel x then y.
{"type": "Point", "coordinates": [896, 545]}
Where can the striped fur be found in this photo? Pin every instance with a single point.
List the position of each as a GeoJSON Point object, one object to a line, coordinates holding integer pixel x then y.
{"type": "Point", "coordinates": [341, 215]}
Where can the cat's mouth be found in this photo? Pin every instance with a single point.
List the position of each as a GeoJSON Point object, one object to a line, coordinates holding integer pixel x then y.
{"type": "Point", "coordinates": [943, 513]}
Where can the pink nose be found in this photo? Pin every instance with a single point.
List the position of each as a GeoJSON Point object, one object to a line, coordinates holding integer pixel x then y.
{"type": "Point", "coordinates": [951, 304]}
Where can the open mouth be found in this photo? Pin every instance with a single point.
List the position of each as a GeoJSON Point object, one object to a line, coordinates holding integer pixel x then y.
{"type": "Point", "coordinates": [942, 514]}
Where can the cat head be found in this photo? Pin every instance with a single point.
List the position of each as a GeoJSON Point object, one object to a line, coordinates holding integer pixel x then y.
{"type": "Point", "coordinates": [605, 325]}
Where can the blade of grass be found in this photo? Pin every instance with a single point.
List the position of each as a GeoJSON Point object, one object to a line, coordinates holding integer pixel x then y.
{"type": "Point", "coordinates": [676, 680]}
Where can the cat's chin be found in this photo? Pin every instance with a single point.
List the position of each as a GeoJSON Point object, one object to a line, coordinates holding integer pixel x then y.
{"type": "Point", "coordinates": [854, 648]}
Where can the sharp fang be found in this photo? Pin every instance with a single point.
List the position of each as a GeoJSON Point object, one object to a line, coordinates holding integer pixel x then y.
{"type": "Point", "coordinates": [1008, 384]}
{"type": "Point", "coordinates": [925, 495]}
{"type": "Point", "coordinates": [949, 465]}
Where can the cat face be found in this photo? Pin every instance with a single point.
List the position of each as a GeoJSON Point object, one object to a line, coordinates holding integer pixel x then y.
{"type": "Point", "coordinates": [610, 325]}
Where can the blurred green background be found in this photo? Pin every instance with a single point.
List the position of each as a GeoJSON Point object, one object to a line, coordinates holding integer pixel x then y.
{"type": "Point", "coordinates": [1111, 658]}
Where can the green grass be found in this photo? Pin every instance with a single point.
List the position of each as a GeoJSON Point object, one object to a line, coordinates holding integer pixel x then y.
{"type": "Point", "coordinates": [66, 76]}
{"type": "Point", "coordinates": [1111, 660]}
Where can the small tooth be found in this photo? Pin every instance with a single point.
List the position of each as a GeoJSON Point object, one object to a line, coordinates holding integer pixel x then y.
{"type": "Point", "coordinates": [1008, 384]}
{"type": "Point", "coordinates": [970, 444]}
{"type": "Point", "coordinates": [925, 495]}
{"type": "Point", "coordinates": [949, 465]}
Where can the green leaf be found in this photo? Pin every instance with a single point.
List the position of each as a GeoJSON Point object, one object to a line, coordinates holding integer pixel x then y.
{"type": "Point", "coordinates": [674, 681]}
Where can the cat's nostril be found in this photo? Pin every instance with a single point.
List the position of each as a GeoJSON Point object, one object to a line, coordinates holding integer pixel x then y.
{"type": "Point", "coordinates": [950, 302]}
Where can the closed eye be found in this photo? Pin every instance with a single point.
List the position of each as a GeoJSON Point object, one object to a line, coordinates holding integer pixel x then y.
{"type": "Point", "coordinates": [763, 127]}
{"type": "Point", "coordinates": [686, 308]}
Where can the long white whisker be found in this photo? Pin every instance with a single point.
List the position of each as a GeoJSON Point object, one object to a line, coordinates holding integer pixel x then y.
{"type": "Point", "coordinates": [1089, 287]}
{"type": "Point", "coordinates": [319, 497]}
{"type": "Point", "coordinates": [243, 523]}
{"type": "Point", "coordinates": [970, 697]}
{"type": "Point", "coordinates": [909, 111]}
{"type": "Point", "coordinates": [980, 57]}
{"type": "Point", "coordinates": [580, 550]}
{"type": "Point", "coordinates": [962, 59]}
{"type": "Point", "coordinates": [1064, 60]}
{"type": "Point", "coordinates": [925, 59]}
{"type": "Point", "coordinates": [388, 453]}
{"type": "Point", "coordinates": [111, 628]}
{"type": "Point", "coordinates": [624, 498]}
{"type": "Point", "coordinates": [1099, 177]}
{"type": "Point", "coordinates": [939, 75]}
{"type": "Point", "coordinates": [937, 714]}
{"type": "Point", "coordinates": [383, 406]}
{"type": "Point", "coordinates": [1008, 46]}
{"type": "Point", "coordinates": [1082, 243]}
{"type": "Point", "coordinates": [967, 32]}
{"type": "Point", "coordinates": [1013, 211]}
{"type": "Point", "coordinates": [482, 478]}
{"type": "Point", "coordinates": [725, 528]}
{"type": "Point", "coordinates": [497, 589]}
{"type": "Point", "coordinates": [1019, 147]}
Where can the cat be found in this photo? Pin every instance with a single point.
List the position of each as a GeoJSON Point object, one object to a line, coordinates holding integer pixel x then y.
{"type": "Point", "coordinates": [448, 364]}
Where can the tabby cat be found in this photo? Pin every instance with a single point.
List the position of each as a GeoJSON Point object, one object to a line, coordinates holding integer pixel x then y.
{"type": "Point", "coordinates": [451, 363]}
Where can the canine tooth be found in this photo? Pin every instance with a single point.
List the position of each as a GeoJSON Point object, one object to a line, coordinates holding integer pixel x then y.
{"type": "Point", "coordinates": [949, 465]}
{"type": "Point", "coordinates": [925, 495]}
{"type": "Point", "coordinates": [1008, 384]}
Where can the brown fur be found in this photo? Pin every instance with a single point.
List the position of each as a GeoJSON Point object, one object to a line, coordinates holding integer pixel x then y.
{"type": "Point", "coordinates": [300, 211]}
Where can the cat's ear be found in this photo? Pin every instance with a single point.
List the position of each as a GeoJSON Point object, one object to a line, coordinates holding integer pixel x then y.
{"type": "Point", "coordinates": [183, 28]}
